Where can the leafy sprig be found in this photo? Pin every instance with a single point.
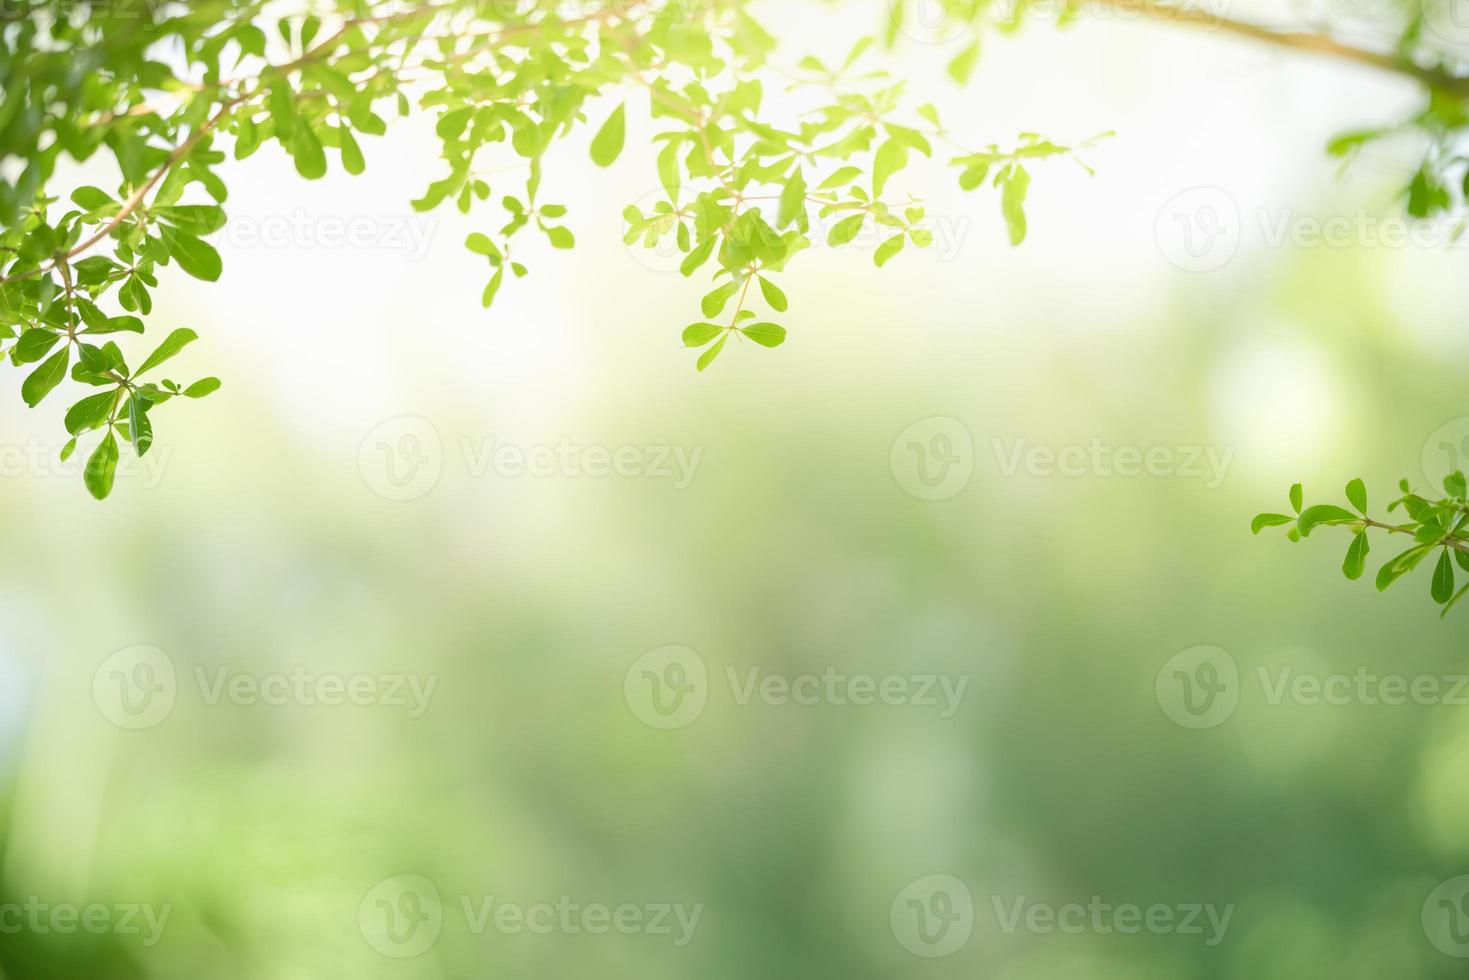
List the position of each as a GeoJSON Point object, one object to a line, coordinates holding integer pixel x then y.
{"type": "Point", "coordinates": [1438, 527]}
{"type": "Point", "coordinates": [505, 82]}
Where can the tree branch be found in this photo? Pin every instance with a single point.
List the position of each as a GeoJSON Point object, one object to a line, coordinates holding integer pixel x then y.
{"type": "Point", "coordinates": [1320, 44]}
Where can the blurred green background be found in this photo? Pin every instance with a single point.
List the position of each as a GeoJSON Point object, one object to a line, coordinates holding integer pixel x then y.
{"type": "Point", "coordinates": [263, 545]}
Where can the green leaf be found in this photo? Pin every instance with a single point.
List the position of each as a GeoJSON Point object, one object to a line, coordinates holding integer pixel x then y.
{"type": "Point", "coordinates": [765, 334]}
{"type": "Point", "coordinates": [45, 378]}
{"type": "Point", "coordinates": [699, 334]}
{"type": "Point", "coordinates": [33, 345]}
{"type": "Point", "coordinates": [1357, 495]}
{"type": "Point", "coordinates": [90, 412]}
{"type": "Point", "coordinates": [1454, 601]}
{"type": "Point", "coordinates": [792, 200]}
{"type": "Point", "coordinates": [1314, 517]}
{"type": "Point", "coordinates": [846, 230]}
{"type": "Point", "coordinates": [309, 154]}
{"type": "Point", "coordinates": [1443, 579]}
{"type": "Point", "coordinates": [1356, 560]}
{"type": "Point", "coordinates": [101, 468]}
{"type": "Point", "coordinates": [888, 249]}
{"type": "Point", "coordinates": [171, 345]}
{"type": "Point", "coordinates": [1297, 497]}
{"type": "Point", "coordinates": [201, 388]}
{"type": "Point", "coordinates": [891, 157]}
{"type": "Point", "coordinates": [561, 238]}
{"type": "Point", "coordinates": [973, 176]}
{"type": "Point", "coordinates": [481, 245]}
{"type": "Point", "coordinates": [707, 358]}
{"type": "Point", "coordinates": [669, 173]}
{"type": "Point", "coordinates": [840, 178]}
{"type": "Point", "coordinates": [607, 144]}
{"type": "Point", "coordinates": [140, 430]}
{"type": "Point", "coordinates": [92, 199]}
{"type": "Point", "coordinates": [962, 67]}
{"type": "Point", "coordinates": [1012, 203]}
{"type": "Point", "coordinates": [195, 256]}
{"type": "Point", "coordinates": [714, 303]}
{"type": "Point", "coordinates": [1263, 521]}
{"type": "Point", "coordinates": [116, 324]}
{"type": "Point", "coordinates": [492, 289]}
{"type": "Point", "coordinates": [1401, 565]}
{"type": "Point", "coordinates": [773, 295]}
{"type": "Point", "coordinates": [352, 160]}
{"type": "Point", "coordinates": [698, 257]}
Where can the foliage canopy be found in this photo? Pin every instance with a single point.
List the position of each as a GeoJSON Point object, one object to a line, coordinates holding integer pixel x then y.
{"type": "Point", "coordinates": [168, 92]}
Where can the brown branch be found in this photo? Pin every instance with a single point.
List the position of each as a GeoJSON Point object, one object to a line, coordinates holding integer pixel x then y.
{"type": "Point", "coordinates": [1321, 44]}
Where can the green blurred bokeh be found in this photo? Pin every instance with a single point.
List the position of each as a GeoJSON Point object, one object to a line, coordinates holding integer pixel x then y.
{"type": "Point", "coordinates": [795, 549]}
